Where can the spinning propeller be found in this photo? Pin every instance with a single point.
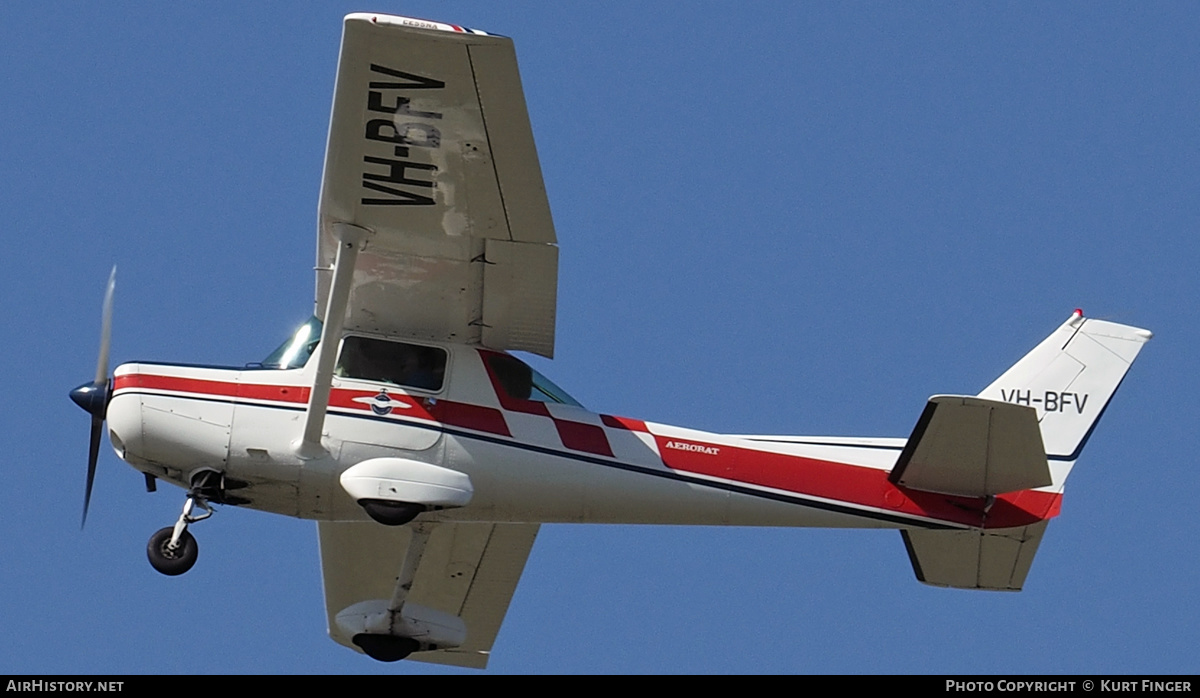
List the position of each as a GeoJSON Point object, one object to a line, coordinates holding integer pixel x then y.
{"type": "Point", "coordinates": [93, 397]}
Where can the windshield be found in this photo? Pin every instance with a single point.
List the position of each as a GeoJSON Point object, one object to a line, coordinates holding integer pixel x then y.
{"type": "Point", "coordinates": [295, 351]}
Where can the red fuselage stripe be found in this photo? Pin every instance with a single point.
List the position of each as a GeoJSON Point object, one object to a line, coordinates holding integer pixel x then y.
{"type": "Point", "coordinates": [624, 423]}
{"type": "Point", "coordinates": [837, 482]}
{"type": "Point", "coordinates": [457, 414]}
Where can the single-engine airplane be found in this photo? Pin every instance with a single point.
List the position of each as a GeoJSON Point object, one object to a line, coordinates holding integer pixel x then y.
{"type": "Point", "coordinates": [429, 455]}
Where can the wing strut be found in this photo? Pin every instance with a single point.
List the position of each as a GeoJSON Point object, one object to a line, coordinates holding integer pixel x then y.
{"type": "Point", "coordinates": [350, 241]}
{"type": "Point", "coordinates": [408, 570]}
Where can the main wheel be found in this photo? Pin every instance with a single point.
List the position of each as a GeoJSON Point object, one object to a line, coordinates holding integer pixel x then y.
{"type": "Point", "coordinates": [386, 648]}
{"type": "Point", "coordinates": [172, 562]}
{"type": "Point", "coordinates": [390, 513]}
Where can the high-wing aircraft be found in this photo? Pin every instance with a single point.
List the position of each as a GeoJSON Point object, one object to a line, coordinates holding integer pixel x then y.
{"type": "Point", "coordinates": [429, 455]}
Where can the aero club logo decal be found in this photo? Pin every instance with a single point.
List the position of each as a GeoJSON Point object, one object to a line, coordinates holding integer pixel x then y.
{"type": "Point", "coordinates": [382, 404]}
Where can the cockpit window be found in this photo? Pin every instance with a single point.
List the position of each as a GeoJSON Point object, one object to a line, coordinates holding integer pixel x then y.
{"type": "Point", "coordinates": [407, 365]}
{"type": "Point", "coordinates": [521, 382]}
{"type": "Point", "coordinates": [294, 352]}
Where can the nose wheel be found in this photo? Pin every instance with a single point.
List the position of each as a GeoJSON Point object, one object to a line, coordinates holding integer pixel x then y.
{"type": "Point", "coordinates": [172, 560]}
{"type": "Point", "coordinates": [173, 550]}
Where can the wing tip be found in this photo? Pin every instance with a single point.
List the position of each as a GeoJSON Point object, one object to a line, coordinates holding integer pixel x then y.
{"type": "Point", "coordinates": [413, 23]}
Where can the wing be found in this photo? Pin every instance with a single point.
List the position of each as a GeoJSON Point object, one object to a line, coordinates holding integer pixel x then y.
{"type": "Point", "coordinates": [430, 149]}
{"type": "Point", "coordinates": [468, 569]}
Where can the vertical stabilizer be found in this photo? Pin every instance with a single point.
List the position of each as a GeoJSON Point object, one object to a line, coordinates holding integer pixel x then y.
{"type": "Point", "coordinates": [1069, 379]}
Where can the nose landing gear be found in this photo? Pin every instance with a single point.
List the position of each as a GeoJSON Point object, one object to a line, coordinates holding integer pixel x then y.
{"type": "Point", "coordinates": [170, 556]}
{"type": "Point", "coordinates": [173, 550]}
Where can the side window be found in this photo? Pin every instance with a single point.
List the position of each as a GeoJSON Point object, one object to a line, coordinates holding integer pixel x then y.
{"type": "Point", "coordinates": [407, 365]}
{"type": "Point", "coordinates": [514, 377]}
{"type": "Point", "coordinates": [521, 382]}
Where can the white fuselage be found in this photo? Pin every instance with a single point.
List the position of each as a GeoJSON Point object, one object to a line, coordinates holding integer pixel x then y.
{"type": "Point", "coordinates": [528, 461]}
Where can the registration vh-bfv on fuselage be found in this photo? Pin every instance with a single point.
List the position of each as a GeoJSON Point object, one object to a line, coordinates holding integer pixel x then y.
{"type": "Point", "coordinates": [429, 455]}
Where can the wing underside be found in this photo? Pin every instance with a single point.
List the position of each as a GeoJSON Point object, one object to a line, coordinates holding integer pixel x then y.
{"type": "Point", "coordinates": [430, 150]}
{"type": "Point", "coordinates": [469, 570]}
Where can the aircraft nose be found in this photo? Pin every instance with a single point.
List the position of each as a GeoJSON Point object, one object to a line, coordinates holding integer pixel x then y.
{"type": "Point", "coordinates": [125, 426]}
{"type": "Point", "coordinates": [92, 397]}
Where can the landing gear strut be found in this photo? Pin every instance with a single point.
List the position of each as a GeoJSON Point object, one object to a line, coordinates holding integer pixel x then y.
{"type": "Point", "coordinates": [173, 550]}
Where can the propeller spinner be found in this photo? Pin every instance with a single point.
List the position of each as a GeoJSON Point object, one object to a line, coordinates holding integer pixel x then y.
{"type": "Point", "coordinates": [93, 397]}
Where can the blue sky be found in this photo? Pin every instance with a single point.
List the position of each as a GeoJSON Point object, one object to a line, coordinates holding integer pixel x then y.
{"type": "Point", "coordinates": [803, 218]}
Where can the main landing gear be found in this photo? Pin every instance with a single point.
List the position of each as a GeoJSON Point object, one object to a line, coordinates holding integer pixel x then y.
{"type": "Point", "coordinates": [173, 550]}
{"type": "Point", "coordinates": [386, 648]}
{"type": "Point", "coordinates": [391, 513]}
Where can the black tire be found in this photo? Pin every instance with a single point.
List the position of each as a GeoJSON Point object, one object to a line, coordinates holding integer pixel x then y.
{"type": "Point", "coordinates": [386, 648]}
{"type": "Point", "coordinates": [172, 562]}
{"type": "Point", "coordinates": [390, 513]}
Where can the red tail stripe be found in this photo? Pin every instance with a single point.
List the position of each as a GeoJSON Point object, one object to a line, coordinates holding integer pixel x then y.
{"type": "Point", "coordinates": [850, 483]}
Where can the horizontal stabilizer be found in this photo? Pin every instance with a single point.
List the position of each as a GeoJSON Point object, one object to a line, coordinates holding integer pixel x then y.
{"type": "Point", "coordinates": [995, 559]}
{"type": "Point", "coordinates": [973, 447]}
